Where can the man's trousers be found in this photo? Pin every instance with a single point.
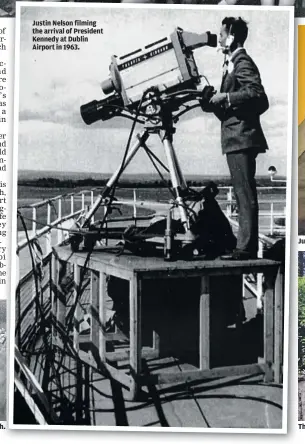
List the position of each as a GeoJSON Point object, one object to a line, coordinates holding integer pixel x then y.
{"type": "Point", "coordinates": [242, 166]}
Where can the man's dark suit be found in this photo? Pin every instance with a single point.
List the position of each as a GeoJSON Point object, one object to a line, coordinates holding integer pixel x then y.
{"type": "Point", "coordinates": [242, 138]}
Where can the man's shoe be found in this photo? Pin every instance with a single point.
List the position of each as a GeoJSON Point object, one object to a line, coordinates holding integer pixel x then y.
{"type": "Point", "coordinates": [238, 255]}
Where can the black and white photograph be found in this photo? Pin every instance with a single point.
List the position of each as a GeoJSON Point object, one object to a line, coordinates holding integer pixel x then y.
{"type": "Point", "coordinates": [299, 8]}
{"type": "Point", "coordinates": [152, 195]}
{"type": "Point", "coordinates": [7, 8]}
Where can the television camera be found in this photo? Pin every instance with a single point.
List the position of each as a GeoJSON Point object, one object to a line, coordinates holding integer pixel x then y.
{"type": "Point", "coordinates": [154, 86]}
{"type": "Point", "coordinates": [167, 64]}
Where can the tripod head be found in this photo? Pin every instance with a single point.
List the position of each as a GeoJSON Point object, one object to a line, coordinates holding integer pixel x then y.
{"type": "Point", "coordinates": [179, 101]}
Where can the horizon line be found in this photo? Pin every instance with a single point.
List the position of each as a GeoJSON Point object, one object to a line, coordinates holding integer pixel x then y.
{"type": "Point", "coordinates": [132, 174]}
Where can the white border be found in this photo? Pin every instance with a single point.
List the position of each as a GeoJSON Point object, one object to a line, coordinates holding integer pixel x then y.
{"type": "Point", "coordinates": [290, 11]}
{"type": "Point", "coordinates": [288, 219]}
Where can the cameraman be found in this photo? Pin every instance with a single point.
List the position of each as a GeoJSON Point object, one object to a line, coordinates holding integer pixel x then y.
{"type": "Point", "coordinates": [238, 105]}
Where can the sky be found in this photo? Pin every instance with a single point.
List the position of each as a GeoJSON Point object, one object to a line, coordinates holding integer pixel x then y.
{"type": "Point", "coordinates": [54, 84]}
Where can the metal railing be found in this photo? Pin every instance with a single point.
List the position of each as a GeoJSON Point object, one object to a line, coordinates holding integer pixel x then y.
{"type": "Point", "coordinates": [34, 232]}
{"type": "Point", "coordinates": [272, 213]}
{"type": "Point", "coordinates": [86, 198]}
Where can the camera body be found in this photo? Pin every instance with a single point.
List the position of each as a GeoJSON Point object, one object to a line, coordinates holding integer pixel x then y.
{"type": "Point", "coordinates": [168, 64]}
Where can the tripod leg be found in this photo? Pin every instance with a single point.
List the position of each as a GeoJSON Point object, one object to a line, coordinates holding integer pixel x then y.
{"type": "Point", "coordinates": [142, 138]}
{"type": "Point", "coordinates": [180, 175]}
{"type": "Point", "coordinates": [178, 182]}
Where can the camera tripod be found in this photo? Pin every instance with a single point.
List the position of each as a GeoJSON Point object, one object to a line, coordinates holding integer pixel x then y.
{"type": "Point", "coordinates": [160, 123]}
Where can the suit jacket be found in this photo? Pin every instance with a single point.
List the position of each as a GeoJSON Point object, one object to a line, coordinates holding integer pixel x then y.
{"type": "Point", "coordinates": [240, 120]}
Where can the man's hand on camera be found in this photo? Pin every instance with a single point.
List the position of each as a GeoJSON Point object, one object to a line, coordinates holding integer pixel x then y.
{"type": "Point", "coordinates": [205, 101]}
{"type": "Point", "coordinates": [218, 98]}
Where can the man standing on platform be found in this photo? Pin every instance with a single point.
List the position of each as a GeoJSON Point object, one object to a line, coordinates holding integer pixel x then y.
{"type": "Point", "coordinates": [239, 104]}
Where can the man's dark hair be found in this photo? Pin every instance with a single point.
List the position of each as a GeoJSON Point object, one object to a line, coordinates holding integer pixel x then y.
{"type": "Point", "coordinates": [237, 27]}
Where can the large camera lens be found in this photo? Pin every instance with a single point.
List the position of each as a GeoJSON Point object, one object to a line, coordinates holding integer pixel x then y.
{"type": "Point", "coordinates": [90, 112]}
{"type": "Point", "coordinates": [100, 110]}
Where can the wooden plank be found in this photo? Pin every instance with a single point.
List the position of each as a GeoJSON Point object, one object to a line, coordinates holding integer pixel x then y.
{"type": "Point", "coordinates": [105, 262]}
{"type": "Point", "coordinates": [123, 355]}
{"type": "Point", "coordinates": [269, 326]}
{"type": "Point", "coordinates": [116, 336]}
{"type": "Point", "coordinates": [95, 309]}
{"type": "Point", "coordinates": [278, 326]}
{"type": "Point", "coordinates": [193, 375]}
{"type": "Point", "coordinates": [108, 336]}
{"type": "Point", "coordinates": [102, 315]}
{"type": "Point", "coordinates": [156, 343]}
{"type": "Point", "coordinates": [77, 309]}
{"type": "Point", "coordinates": [54, 300]}
{"type": "Point", "coordinates": [204, 324]}
{"type": "Point", "coordinates": [135, 294]}
{"type": "Point", "coordinates": [198, 272]}
{"type": "Point", "coordinates": [61, 306]}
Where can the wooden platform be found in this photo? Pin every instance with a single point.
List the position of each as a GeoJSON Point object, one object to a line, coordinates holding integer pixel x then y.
{"type": "Point", "coordinates": [148, 267]}
{"type": "Point", "coordinates": [137, 270]}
